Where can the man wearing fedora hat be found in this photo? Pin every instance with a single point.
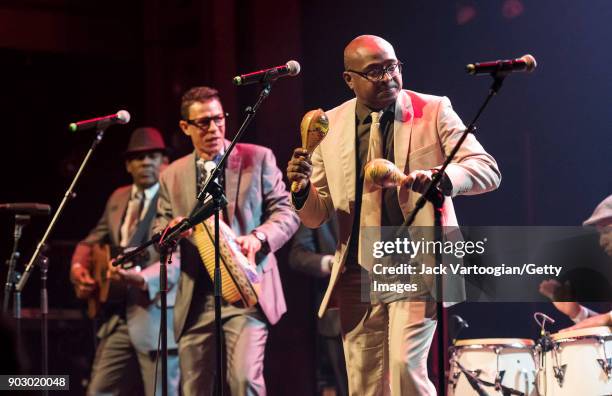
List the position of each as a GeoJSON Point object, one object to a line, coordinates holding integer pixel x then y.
{"type": "Point", "coordinates": [584, 317]}
{"type": "Point", "coordinates": [129, 335]}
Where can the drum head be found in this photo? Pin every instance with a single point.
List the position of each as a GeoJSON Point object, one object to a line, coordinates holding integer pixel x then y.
{"type": "Point", "coordinates": [502, 342]}
{"type": "Point", "coordinates": [601, 331]}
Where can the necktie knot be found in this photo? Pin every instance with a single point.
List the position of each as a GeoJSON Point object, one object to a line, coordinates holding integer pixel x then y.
{"type": "Point", "coordinates": [204, 170]}
{"type": "Point", "coordinates": [375, 115]}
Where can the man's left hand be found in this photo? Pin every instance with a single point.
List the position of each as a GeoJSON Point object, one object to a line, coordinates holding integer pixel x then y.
{"type": "Point", "coordinates": [130, 277]}
{"type": "Point", "coordinates": [418, 181]}
{"type": "Point", "coordinates": [250, 245]}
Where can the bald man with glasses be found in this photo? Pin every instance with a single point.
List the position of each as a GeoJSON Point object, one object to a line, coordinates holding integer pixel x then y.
{"type": "Point", "coordinates": [386, 343]}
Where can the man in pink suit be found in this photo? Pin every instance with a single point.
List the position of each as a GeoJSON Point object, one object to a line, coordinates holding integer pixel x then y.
{"type": "Point", "coordinates": [260, 213]}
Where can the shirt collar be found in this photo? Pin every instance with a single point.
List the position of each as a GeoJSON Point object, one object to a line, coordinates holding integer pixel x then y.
{"type": "Point", "coordinates": [363, 112]}
{"type": "Point", "coordinates": [216, 158]}
{"type": "Point", "coordinates": [149, 193]}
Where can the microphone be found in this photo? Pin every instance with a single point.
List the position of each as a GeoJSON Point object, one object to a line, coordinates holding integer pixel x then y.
{"type": "Point", "coordinates": [30, 208]}
{"type": "Point", "coordinates": [526, 63]}
{"type": "Point", "coordinates": [291, 68]}
{"type": "Point", "coordinates": [462, 323]}
{"type": "Point", "coordinates": [122, 117]}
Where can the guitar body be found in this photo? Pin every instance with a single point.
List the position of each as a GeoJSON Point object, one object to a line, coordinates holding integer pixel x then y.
{"type": "Point", "coordinates": [107, 291]}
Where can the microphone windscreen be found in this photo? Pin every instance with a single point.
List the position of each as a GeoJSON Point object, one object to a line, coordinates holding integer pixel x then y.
{"type": "Point", "coordinates": [294, 68]}
{"type": "Point", "coordinates": [530, 62]}
{"type": "Point", "coordinates": [123, 117]}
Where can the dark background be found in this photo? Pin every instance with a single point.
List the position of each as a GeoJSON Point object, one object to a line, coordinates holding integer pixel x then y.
{"type": "Point", "coordinates": [65, 60]}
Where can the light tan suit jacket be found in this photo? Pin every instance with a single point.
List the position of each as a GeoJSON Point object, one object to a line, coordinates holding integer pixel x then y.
{"type": "Point", "coordinates": [424, 131]}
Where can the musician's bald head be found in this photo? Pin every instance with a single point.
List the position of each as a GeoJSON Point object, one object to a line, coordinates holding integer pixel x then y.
{"type": "Point", "coordinates": [364, 46]}
{"type": "Point", "coordinates": [364, 54]}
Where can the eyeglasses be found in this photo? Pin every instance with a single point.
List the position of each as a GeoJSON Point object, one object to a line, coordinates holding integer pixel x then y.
{"type": "Point", "coordinates": [142, 155]}
{"type": "Point", "coordinates": [204, 122]}
{"type": "Point", "coordinates": [379, 73]}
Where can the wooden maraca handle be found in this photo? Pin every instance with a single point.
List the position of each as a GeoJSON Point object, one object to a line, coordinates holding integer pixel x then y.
{"type": "Point", "coordinates": [298, 186]}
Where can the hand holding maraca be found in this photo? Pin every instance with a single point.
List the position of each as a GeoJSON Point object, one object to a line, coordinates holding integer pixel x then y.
{"type": "Point", "coordinates": [380, 173]}
{"type": "Point", "coordinates": [314, 128]}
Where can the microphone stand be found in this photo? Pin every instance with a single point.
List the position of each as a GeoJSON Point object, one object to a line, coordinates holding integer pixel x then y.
{"type": "Point", "coordinates": [165, 255]}
{"type": "Point", "coordinates": [251, 111]}
{"type": "Point", "coordinates": [166, 241]}
{"type": "Point", "coordinates": [211, 200]}
{"type": "Point", "coordinates": [13, 276]}
{"type": "Point", "coordinates": [434, 195]}
{"type": "Point", "coordinates": [43, 262]}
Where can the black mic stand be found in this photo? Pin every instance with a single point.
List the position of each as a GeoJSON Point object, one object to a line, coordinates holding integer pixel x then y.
{"type": "Point", "coordinates": [434, 195]}
{"type": "Point", "coordinates": [13, 276]}
{"type": "Point", "coordinates": [218, 287]}
{"type": "Point", "coordinates": [165, 255]}
{"type": "Point", "coordinates": [211, 200]}
{"type": "Point", "coordinates": [167, 241]}
{"type": "Point", "coordinates": [38, 258]}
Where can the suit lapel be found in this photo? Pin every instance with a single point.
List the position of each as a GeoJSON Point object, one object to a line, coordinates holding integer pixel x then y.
{"type": "Point", "coordinates": [346, 139]}
{"type": "Point", "coordinates": [116, 216]}
{"type": "Point", "coordinates": [232, 181]}
{"type": "Point", "coordinates": [188, 188]}
{"type": "Point", "coordinates": [402, 130]}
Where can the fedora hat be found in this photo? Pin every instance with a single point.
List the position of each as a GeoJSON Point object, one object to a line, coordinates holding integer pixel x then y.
{"type": "Point", "coordinates": [145, 139]}
{"type": "Point", "coordinates": [602, 213]}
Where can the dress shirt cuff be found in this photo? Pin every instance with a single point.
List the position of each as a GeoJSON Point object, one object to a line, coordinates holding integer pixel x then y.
{"type": "Point", "coordinates": [326, 264]}
{"type": "Point", "coordinates": [582, 314]}
{"type": "Point", "coordinates": [299, 198]}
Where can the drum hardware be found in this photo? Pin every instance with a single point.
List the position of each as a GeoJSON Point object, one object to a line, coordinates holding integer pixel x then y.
{"type": "Point", "coordinates": [606, 362]}
{"type": "Point", "coordinates": [525, 375]}
{"type": "Point", "coordinates": [574, 366]}
{"type": "Point", "coordinates": [544, 345]}
{"type": "Point", "coordinates": [558, 369]}
{"type": "Point", "coordinates": [459, 325]}
{"type": "Point", "coordinates": [606, 366]}
{"type": "Point", "coordinates": [506, 371]}
{"type": "Point", "coordinates": [498, 380]}
{"type": "Point", "coordinates": [500, 374]}
{"type": "Point", "coordinates": [453, 381]}
{"type": "Point", "coordinates": [472, 378]}
{"type": "Point", "coordinates": [475, 382]}
{"type": "Point", "coordinates": [560, 374]}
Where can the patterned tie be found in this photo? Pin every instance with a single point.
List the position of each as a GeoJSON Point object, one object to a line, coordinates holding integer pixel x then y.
{"type": "Point", "coordinates": [204, 169]}
{"type": "Point", "coordinates": [132, 218]}
{"type": "Point", "coordinates": [371, 198]}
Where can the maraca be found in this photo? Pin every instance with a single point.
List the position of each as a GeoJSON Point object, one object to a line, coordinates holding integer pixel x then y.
{"type": "Point", "coordinates": [382, 173]}
{"type": "Point", "coordinates": [313, 128]}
